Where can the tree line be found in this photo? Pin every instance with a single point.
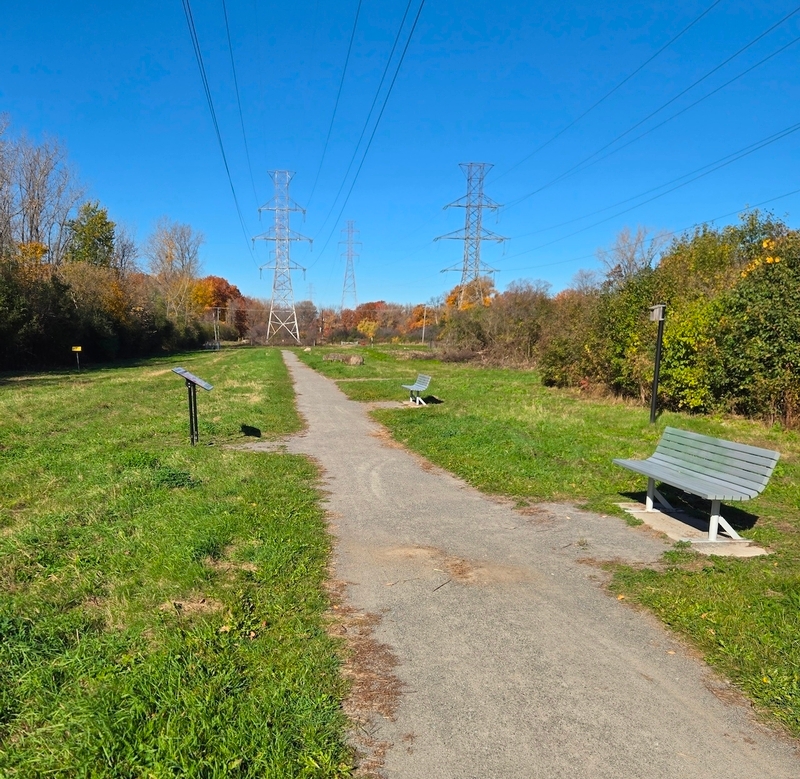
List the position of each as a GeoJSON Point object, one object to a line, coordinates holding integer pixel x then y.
{"type": "Point", "coordinates": [731, 335]}
{"type": "Point", "coordinates": [71, 276]}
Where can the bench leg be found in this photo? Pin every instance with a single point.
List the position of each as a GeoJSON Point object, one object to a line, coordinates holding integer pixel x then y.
{"type": "Point", "coordinates": [652, 492]}
{"type": "Point", "coordinates": [716, 520]}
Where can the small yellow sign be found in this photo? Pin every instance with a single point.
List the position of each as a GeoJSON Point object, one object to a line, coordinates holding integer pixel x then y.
{"type": "Point", "coordinates": [76, 348]}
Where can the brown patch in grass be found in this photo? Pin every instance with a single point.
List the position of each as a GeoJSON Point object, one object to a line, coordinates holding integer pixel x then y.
{"type": "Point", "coordinates": [227, 566]}
{"type": "Point", "coordinates": [192, 606]}
{"type": "Point", "coordinates": [374, 688]}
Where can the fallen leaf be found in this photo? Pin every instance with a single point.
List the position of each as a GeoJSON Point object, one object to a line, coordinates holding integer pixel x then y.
{"type": "Point", "coordinates": [620, 597]}
{"type": "Point", "coordinates": [225, 629]}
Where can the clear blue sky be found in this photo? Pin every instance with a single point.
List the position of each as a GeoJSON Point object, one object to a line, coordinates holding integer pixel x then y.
{"type": "Point", "coordinates": [481, 81]}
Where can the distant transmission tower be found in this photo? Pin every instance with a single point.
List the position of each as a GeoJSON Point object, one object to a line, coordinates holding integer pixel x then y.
{"type": "Point", "coordinates": [349, 288]}
{"type": "Point", "coordinates": [473, 269]}
{"type": "Point", "coordinates": [282, 314]}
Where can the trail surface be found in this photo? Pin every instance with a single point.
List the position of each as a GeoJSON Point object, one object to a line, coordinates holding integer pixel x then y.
{"type": "Point", "coordinates": [515, 663]}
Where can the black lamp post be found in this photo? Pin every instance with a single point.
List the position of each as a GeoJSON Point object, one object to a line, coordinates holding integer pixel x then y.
{"type": "Point", "coordinates": [656, 315]}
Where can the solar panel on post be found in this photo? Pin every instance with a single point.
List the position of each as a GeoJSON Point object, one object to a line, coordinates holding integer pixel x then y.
{"type": "Point", "coordinates": [192, 383]}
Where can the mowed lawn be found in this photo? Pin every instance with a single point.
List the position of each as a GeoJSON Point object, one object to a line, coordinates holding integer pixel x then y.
{"type": "Point", "coordinates": [162, 606]}
{"type": "Point", "coordinates": [507, 435]}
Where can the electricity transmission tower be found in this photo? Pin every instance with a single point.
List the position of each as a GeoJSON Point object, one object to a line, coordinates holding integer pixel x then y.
{"type": "Point", "coordinates": [474, 202]}
{"type": "Point", "coordinates": [349, 288]}
{"type": "Point", "coordinates": [282, 314]}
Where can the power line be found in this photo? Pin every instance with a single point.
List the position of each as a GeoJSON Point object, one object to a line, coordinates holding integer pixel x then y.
{"type": "Point", "coordinates": [610, 92]}
{"type": "Point", "coordinates": [187, 9]}
{"type": "Point", "coordinates": [375, 128]}
{"type": "Point", "coordinates": [665, 233]}
{"type": "Point", "coordinates": [369, 116]}
{"type": "Point", "coordinates": [238, 100]}
{"type": "Point", "coordinates": [688, 107]}
{"type": "Point", "coordinates": [336, 104]}
{"type": "Point", "coordinates": [583, 162]}
{"type": "Point", "coordinates": [733, 158]}
{"type": "Point", "coordinates": [737, 154]}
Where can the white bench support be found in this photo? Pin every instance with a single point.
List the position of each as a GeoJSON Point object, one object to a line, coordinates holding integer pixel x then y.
{"type": "Point", "coordinates": [717, 520]}
{"type": "Point", "coordinates": [652, 492]}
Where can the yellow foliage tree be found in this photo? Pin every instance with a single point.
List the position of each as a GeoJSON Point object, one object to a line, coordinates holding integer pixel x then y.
{"type": "Point", "coordinates": [367, 328]}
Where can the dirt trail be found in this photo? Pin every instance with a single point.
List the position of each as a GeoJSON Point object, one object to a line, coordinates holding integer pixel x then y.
{"type": "Point", "coordinates": [512, 660]}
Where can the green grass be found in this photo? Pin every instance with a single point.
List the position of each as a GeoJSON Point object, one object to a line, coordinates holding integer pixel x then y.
{"type": "Point", "coordinates": [162, 605]}
{"type": "Point", "coordinates": [506, 434]}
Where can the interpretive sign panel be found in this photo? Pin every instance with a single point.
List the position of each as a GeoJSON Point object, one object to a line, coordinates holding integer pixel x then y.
{"type": "Point", "coordinates": [192, 383]}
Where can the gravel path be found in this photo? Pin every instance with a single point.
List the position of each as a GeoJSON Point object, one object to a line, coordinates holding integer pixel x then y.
{"type": "Point", "coordinates": [512, 659]}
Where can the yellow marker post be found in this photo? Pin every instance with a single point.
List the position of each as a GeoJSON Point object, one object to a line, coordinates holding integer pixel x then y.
{"type": "Point", "coordinates": [77, 350]}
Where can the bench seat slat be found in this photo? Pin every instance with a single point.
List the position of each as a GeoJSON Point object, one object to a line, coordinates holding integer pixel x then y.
{"type": "Point", "coordinates": [698, 441]}
{"type": "Point", "coordinates": [724, 481]}
{"type": "Point", "coordinates": [746, 460]}
{"type": "Point", "coordinates": [711, 470]}
{"type": "Point", "coordinates": [420, 384]}
{"type": "Point", "coordinates": [688, 483]}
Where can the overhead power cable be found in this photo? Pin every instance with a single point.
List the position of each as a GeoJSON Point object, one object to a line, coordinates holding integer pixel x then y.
{"type": "Point", "coordinates": [688, 107]}
{"type": "Point", "coordinates": [668, 232]}
{"type": "Point", "coordinates": [738, 154]}
{"type": "Point", "coordinates": [336, 104]}
{"type": "Point", "coordinates": [187, 9]}
{"type": "Point", "coordinates": [611, 91]}
{"type": "Point", "coordinates": [238, 100]}
{"type": "Point", "coordinates": [723, 162]}
{"type": "Point", "coordinates": [375, 128]}
{"type": "Point", "coordinates": [369, 116]}
{"type": "Point", "coordinates": [669, 102]}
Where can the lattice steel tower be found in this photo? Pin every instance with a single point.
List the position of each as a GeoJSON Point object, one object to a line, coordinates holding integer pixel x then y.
{"type": "Point", "coordinates": [473, 233]}
{"type": "Point", "coordinates": [282, 314]}
{"type": "Point", "coordinates": [349, 288]}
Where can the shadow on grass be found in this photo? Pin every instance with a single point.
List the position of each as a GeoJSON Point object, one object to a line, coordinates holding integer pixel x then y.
{"type": "Point", "coordinates": [697, 511]}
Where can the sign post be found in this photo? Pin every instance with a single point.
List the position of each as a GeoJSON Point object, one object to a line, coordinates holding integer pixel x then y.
{"type": "Point", "coordinates": [656, 315]}
{"type": "Point", "coordinates": [77, 350]}
{"type": "Point", "coordinates": [192, 383]}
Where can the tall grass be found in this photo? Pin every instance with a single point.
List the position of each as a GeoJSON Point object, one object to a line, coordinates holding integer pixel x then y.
{"type": "Point", "coordinates": [161, 605]}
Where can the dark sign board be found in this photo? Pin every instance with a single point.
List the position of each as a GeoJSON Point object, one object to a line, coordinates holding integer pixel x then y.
{"type": "Point", "coordinates": [192, 378]}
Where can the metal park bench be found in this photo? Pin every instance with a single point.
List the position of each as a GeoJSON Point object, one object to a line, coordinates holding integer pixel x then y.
{"type": "Point", "coordinates": [710, 468]}
{"type": "Point", "coordinates": [420, 385]}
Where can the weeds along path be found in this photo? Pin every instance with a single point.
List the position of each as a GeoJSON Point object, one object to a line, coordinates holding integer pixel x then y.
{"type": "Point", "coordinates": [512, 659]}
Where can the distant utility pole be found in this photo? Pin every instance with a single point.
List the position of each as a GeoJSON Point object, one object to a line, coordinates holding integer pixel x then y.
{"type": "Point", "coordinates": [349, 288]}
{"type": "Point", "coordinates": [282, 313]}
{"type": "Point", "coordinates": [472, 269]}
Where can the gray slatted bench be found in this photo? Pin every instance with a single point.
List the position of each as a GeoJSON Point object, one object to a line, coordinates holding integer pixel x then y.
{"type": "Point", "coordinates": [420, 385]}
{"type": "Point", "coordinates": [710, 468]}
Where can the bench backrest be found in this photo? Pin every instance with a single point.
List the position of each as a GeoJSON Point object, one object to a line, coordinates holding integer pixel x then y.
{"type": "Point", "coordinates": [746, 467]}
{"type": "Point", "coordinates": [422, 381]}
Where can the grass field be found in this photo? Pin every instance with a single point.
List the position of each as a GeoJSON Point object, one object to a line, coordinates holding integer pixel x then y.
{"type": "Point", "coordinates": [162, 605]}
{"type": "Point", "coordinates": [506, 434]}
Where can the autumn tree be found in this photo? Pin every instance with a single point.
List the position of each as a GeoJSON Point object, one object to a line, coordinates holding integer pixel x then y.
{"type": "Point", "coordinates": [219, 292]}
{"type": "Point", "coordinates": [368, 328]}
{"type": "Point", "coordinates": [173, 252]}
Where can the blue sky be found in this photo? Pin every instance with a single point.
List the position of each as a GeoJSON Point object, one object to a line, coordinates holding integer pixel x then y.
{"type": "Point", "coordinates": [481, 81]}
